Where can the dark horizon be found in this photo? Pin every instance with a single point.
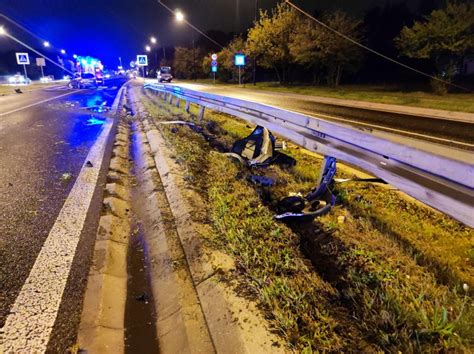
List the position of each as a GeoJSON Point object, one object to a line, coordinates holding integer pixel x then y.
{"type": "Point", "coordinates": [107, 32]}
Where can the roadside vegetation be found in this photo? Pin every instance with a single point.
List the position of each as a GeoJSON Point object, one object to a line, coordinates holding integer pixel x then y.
{"type": "Point", "coordinates": [379, 273]}
{"type": "Point", "coordinates": [290, 47]}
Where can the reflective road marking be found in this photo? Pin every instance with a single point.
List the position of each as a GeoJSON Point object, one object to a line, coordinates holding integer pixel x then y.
{"type": "Point", "coordinates": [32, 316]}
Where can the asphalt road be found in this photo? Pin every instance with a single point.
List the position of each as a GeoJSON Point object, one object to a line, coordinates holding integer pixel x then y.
{"type": "Point", "coordinates": [44, 141]}
{"type": "Point", "coordinates": [443, 130]}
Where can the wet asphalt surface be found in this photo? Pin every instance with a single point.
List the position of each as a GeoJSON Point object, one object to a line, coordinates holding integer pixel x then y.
{"type": "Point", "coordinates": [42, 149]}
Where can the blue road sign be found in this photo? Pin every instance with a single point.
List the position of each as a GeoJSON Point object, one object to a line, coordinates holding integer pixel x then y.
{"type": "Point", "coordinates": [239, 59]}
{"type": "Point", "coordinates": [22, 59]}
{"type": "Point", "coordinates": [214, 69]}
{"type": "Point", "coordinates": [214, 63]}
{"type": "Point", "coordinates": [142, 60]}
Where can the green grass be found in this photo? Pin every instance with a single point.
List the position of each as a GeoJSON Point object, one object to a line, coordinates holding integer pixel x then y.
{"type": "Point", "coordinates": [462, 102]}
{"type": "Point", "coordinates": [380, 280]}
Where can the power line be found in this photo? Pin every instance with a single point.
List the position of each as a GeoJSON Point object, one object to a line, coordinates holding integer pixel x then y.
{"type": "Point", "coordinates": [372, 50]}
{"type": "Point", "coordinates": [191, 25]}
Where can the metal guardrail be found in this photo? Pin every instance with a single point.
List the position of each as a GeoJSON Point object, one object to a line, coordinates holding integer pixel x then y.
{"type": "Point", "coordinates": [443, 183]}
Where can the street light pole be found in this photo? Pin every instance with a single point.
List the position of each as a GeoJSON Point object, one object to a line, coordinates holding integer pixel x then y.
{"type": "Point", "coordinates": [254, 76]}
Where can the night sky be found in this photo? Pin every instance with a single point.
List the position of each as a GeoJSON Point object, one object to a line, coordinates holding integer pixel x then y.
{"type": "Point", "coordinates": [111, 28]}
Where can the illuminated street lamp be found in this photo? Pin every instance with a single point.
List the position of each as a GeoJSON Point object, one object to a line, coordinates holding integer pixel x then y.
{"type": "Point", "coordinates": [179, 16]}
{"type": "Point", "coordinates": [153, 40]}
{"type": "Point", "coordinates": [46, 44]}
{"type": "Point", "coordinates": [2, 31]}
{"type": "Point", "coordinates": [148, 48]}
{"type": "Point", "coordinates": [63, 51]}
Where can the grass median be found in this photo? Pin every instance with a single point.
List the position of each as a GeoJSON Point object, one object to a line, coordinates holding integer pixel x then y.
{"type": "Point", "coordinates": [372, 275]}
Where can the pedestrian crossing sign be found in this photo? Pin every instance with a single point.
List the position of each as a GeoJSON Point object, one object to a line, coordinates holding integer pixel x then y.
{"type": "Point", "coordinates": [22, 59]}
{"type": "Point", "coordinates": [142, 60]}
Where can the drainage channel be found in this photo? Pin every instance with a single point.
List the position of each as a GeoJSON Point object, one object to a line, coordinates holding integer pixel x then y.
{"type": "Point", "coordinates": [140, 317]}
{"type": "Point", "coordinates": [140, 330]}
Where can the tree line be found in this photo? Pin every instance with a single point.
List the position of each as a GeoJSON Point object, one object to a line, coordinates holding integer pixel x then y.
{"type": "Point", "coordinates": [284, 41]}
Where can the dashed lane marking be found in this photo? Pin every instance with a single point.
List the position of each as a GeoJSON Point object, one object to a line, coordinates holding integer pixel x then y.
{"type": "Point", "coordinates": [30, 322]}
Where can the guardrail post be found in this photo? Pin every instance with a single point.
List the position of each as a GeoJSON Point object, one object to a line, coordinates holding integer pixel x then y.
{"type": "Point", "coordinates": [170, 101]}
{"type": "Point", "coordinates": [177, 102]}
{"type": "Point", "coordinates": [201, 113]}
{"type": "Point", "coordinates": [188, 104]}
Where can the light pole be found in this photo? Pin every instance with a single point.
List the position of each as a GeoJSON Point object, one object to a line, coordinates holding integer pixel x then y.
{"type": "Point", "coordinates": [153, 41]}
{"type": "Point", "coordinates": [180, 18]}
{"type": "Point", "coordinates": [254, 76]}
{"type": "Point", "coordinates": [148, 49]}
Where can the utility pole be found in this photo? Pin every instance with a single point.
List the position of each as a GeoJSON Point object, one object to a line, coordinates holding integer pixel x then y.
{"type": "Point", "coordinates": [194, 59]}
{"type": "Point", "coordinates": [254, 76]}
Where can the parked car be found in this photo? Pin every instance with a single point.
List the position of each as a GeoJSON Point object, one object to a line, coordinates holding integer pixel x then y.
{"type": "Point", "coordinates": [19, 80]}
{"type": "Point", "coordinates": [85, 80]}
{"type": "Point", "coordinates": [46, 79]}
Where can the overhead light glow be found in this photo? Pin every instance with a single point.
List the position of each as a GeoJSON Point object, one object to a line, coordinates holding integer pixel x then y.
{"type": "Point", "coordinates": [2, 30]}
{"type": "Point", "coordinates": [147, 48]}
{"type": "Point", "coordinates": [63, 51]}
{"type": "Point", "coordinates": [179, 16]}
{"type": "Point", "coordinates": [75, 56]}
{"type": "Point", "coordinates": [153, 40]}
{"type": "Point", "coordinates": [46, 44]}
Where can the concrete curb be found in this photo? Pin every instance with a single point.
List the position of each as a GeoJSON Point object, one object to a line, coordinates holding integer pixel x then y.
{"type": "Point", "coordinates": [180, 323]}
{"type": "Point", "coordinates": [226, 315]}
{"type": "Point", "coordinates": [101, 329]}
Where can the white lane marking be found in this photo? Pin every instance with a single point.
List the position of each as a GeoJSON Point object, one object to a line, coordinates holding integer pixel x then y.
{"type": "Point", "coordinates": [35, 104]}
{"type": "Point", "coordinates": [30, 322]}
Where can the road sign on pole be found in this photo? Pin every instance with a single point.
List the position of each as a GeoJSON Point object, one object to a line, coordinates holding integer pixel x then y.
{"type": "Point", "coordinates": [142, 60]}
{"type": "Point", "coordinates": [22, 59]}
{"type": "Point", "coordinates": [239, 61]}
{"type": "Point", "coordinates": [214, 66]}
{"type": "Point", "coordinates": [41, 62]}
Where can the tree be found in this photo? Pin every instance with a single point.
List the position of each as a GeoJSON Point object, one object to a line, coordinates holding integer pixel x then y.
{"type": "Point", "coordinates": [445, 36]}
{"type": "Point", "coordinates": [340, 55]}
{"type": "Point", "coordinates": [314, 46]}
{"type": "Point", "coordinates": [268, 41]}
{"type": "Point", "coordinates": [186, 62]}
{"type": "Point", "coordinates": [305, 48]}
